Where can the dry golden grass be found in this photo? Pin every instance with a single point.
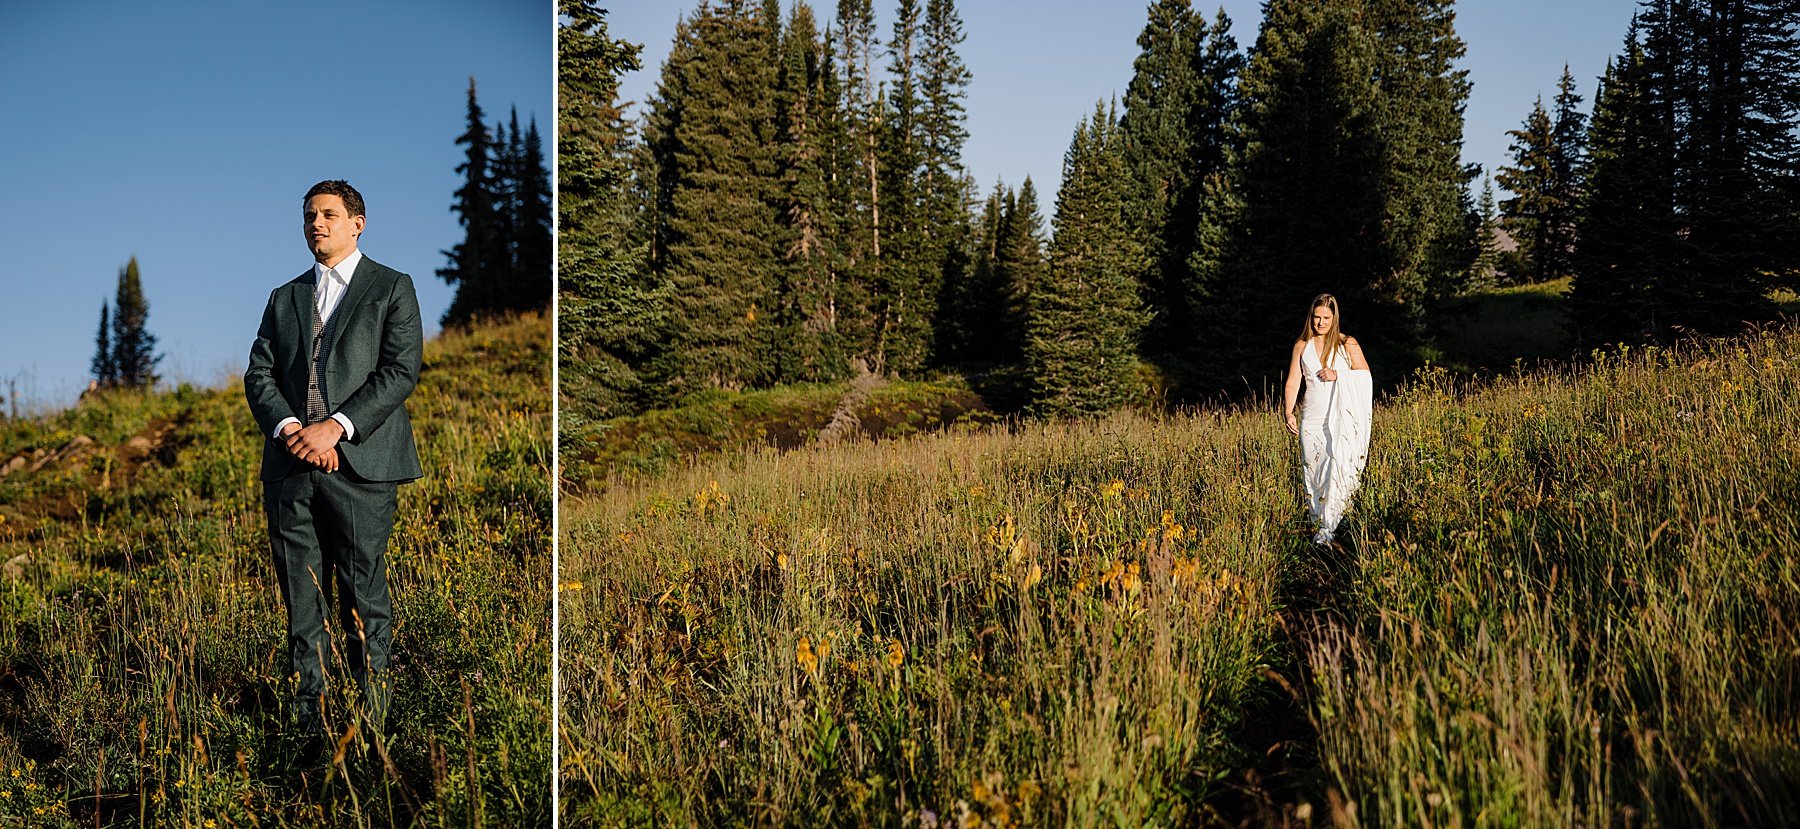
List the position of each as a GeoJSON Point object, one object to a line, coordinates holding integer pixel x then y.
{"type": "Point", "coordinates": [1564, 599]}
{"type": "Point", "coordinates": [142, 664]}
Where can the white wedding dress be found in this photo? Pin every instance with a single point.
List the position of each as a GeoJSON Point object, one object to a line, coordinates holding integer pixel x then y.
{"type": "Point", "coordinates": [1334, 436]}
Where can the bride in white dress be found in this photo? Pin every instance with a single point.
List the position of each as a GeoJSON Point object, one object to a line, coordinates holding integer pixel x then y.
{"type": "Point", "coordinates": [1333, 425]}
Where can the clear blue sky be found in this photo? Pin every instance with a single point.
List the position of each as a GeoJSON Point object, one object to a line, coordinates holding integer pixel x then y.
{"type": "Point", "coordinates": [1039, 66]}
{"type": "Point", "coordinates": [186, 133]}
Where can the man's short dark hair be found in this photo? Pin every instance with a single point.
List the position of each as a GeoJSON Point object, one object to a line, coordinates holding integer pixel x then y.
{"type": "Point", "coordinates": [340, 188]}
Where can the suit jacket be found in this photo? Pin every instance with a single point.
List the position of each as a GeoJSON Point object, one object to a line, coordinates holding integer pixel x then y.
{"type": "Point", "coordinates": [376, 344]}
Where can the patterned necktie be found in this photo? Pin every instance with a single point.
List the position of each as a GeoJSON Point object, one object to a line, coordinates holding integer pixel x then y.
{"type": "Point", "coordinates": [315, 374]}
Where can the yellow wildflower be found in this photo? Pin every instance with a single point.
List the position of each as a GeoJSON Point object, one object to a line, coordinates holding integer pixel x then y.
{"type": "Point", "coordinates": [1033, 576]}
{"type": "Point", "coordinates": [896, 653]}
{"type": "Point", "coordinates": [1112, 573]}
{"type": "Point", "coordinates": [1130, 582]}
{"type": "Point", "coordinates": [803, 654]}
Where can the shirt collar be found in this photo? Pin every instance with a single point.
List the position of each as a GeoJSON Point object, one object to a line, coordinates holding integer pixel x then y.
{"type": "Point", "coordinates": [345, 268]}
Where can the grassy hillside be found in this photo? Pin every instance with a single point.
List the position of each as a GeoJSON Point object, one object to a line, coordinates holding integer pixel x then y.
{"type": "Point", "coordinates": [1562, 599]}
{"type": "Point", "coordinates": [1490, 329]}
{"type": "Point", "coordinates": [716, 423]}
{"type": "Point", "coordinates": [143, 669]}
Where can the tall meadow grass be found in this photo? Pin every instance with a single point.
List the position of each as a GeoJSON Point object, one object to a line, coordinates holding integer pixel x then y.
{"type": "Point", "coordinates": [1565, 598]}
{"type": "Point", "coordinates": [143, 668]}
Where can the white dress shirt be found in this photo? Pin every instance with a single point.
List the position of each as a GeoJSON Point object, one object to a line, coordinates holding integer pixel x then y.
{"type": "Point", "coordinates": [329, 287]}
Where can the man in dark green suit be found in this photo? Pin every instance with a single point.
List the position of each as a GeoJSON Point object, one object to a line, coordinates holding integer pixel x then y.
{"type": "Point", "coordinates": [334, 360]}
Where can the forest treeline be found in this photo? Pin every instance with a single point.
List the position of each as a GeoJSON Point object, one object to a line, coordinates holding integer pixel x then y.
{"type": "Point", "coordinates": [792, 204]}
{"type": "Point", "coordinates": [505, 262]}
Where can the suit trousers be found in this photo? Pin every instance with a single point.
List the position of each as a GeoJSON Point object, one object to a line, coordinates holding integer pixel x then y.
{"type": "Point", "coordinates": [329, 531]}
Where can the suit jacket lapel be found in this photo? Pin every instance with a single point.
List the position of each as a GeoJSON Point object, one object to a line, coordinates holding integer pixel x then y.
{"type": "Point", "coordinates": [302, 298]}
{"type": "Point", "coordinates": [359, 288]}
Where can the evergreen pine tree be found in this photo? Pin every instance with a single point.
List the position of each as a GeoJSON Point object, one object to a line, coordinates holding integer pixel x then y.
{"type": "Point", "coordinates": [1568, 167]}
{"type": "Point", "coordinates": [1176, 110]}
{"type": "Point", "coordinates": [809, 348]}
{"type": "Point", "coordinates": [1484, 273]}
{"type": "Point", "coordinates": [1021, 266]}
{"type": "Point", "coordinates": [134, 347]}
{"type": "Point", "coordinates": [1627, 223]}
{"type": "Point", "coordinates": [1692, 184]}
{"type": "Point", "coordinates": [947, 194]}
{"type": "Point", "coordinates": [906, 280]}
{"type": "Point", "coordinates": [514, 293]}
{"type": "Point", "coordinates": [1737, 156]}
{"type": "Point", "coordinates": [1158, 154]}
{"type": "Point", "coordinates": [970, 304]}
{"type": "Point", "coordinates": [534, 257]}
{"type": "Point", "coordinates": [1530, 213]}
{"type": "Point", "coordinates": [712, 137]}
{"type": "Point", "coordinates": [505, 167]}
{"type": "Point", "coordinates": [1084, 320]}
{"type": "Point", "coordinates": [1302, 207]}
{"type": "Point", "coordinates": [1425, 229]}
{"type": "Point", "coordinates": [103, 368]}
{"type": "Point", "coordinates": [854, 142]}
{"type": "Point", "coordinates": [611, 317]}
{"type": "Point", "coordinates": [475, 267]}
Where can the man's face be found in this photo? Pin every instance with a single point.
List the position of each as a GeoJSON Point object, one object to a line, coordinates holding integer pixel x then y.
{"type": "Point", "coordinates": [330, 229]}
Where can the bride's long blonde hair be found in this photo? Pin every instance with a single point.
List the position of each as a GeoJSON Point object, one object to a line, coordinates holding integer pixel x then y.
{"type": "Point", "coordinates": [1334, 338]}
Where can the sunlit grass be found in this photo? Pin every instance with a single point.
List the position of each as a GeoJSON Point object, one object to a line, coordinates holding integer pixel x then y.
{"type": "Point", "coordinates": [1568, 599]}
{"type": "Point", "coordinates": [142, 664]}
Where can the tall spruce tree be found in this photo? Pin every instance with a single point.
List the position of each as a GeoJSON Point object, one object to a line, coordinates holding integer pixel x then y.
{"type": "Point", "coordinates": [1428, 238]}
{"type": "Point", "coordinates": [712, 138]}
{"type": "Point", "coordinates": [1738, 157]}
{"type": "Point", "coordinates": [1531, 178]}
{"type": "Point", "coordinates": [970, 304]}
{"type": "Point", "coordinates": [533, 249]}
{"type": "Point", "coordinates": [1549, 153]}
{"type": "Point", "coordinates": [1158, 147]}
{"type": "Point", "coordinates": [809, 348]}
{"type": "Point", "coordinates": [1347, 178]}
{"type": "Point", "coordinates": [1020, 267]}
{"type": "Point", "coordinates": [854, 148]}
{"type": "Point", "coordinates": [507, 167]}
{"type": "Point", "coordinates": [1176, 108]}
{"type": "Point", "coordinates": [947, 195]}
{"type": "Point", "coordinates": [1568, 166]}
{"type": "Point", "coordinates": [1085, 319]}
{"type": "Point", "coordinates": [1484, 273]}
{"type": "Point", "coordinates": [134, 347]}
{"type": "Point", "coordinates": [1006, 259]}
{"type": "Point", "coordinates": [907, 281]}
{"type": "Point", "coordinates": [1302, 207]}
{"type": "Point", "coordinates": [1628, 218]}
{"type": "Point", "coordinates": [475, 267]}
{"type": "Point", "coordinates": [1692, 189]}
{"type": "Point", "coordinates": [611, 315]}
{"type": "Point", "coordinates": [105, 374]}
